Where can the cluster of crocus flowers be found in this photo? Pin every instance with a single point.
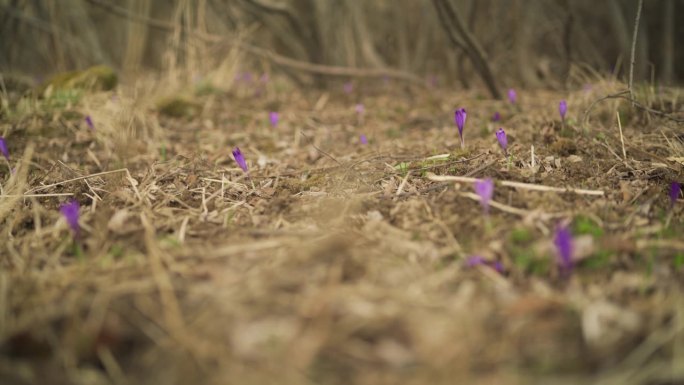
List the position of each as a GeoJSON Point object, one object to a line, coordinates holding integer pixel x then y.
{"type": "Point", "coordinates": [240, 159]}
{"type": "Point", "coordinates": [70, 211]}
{"type": "Point", "coordinates": [477, 260]}
{"type": "Point", "coordinates": [563, 109]}
{"type": "Point", "coordinates": [564, 249]}
{"type": "Point", "coordinates": [675, 190]}
{"type": "Point", "coordinates": [460, 119]}
{"type": "Point", "coordinates": [484, 188]}
{"type": "Point", "coordinates": [273, 117]}
{"type": "Point", "coordinates": [503, 141]}
{"type": "Point", "coordinates": [3, 149]}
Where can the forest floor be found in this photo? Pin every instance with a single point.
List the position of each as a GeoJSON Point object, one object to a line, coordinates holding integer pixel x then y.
{"type": "Point", "coordinates": [334, 261]}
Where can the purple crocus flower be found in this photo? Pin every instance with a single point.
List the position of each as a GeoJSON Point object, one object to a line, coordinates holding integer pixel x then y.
{"type": "Point", "coordinates": [496, 117]}
{"type": "Point", "coordinates": [512, 96]}
{"type": "Point", "coordinates": [484, 188]}
{"type": "Point", "coordinates": [460, 119]}
{"type": "Point", "coordinates": [363, 138]}
{"type": "Point", "coordinates": [562, 109]}
{"type": "Point", "coordinates": [564, 249]}
{"type": "Point", "coordinates": [240, 159]}
{"type": "Point", "coordinates": [477, 260]}
{"type": "Point", "coordinates": [3, 148]}
{"type": "Point", "coordinates": [348, 87]}
{"type": "Point", "coordinates": [675, 189]}
{"type": "Point", "coordinates": [89, 122]}
{"type": "Point", "coordinates": [360, 109]}
{"type": "Point", "coordinates": [503, 141]}
{"type": "Point", "coordinates": [273, 117]}
{"type": "Point", "coordinates": [70, 211]}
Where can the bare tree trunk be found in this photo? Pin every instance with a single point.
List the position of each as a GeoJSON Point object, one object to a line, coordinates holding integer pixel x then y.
{"type": "Point", "coordinates": [523, 55]}
{"type": "Point", "coordinates": [666, 74]}
{"type": "Point", "coordinates": [620, 28]}
{"type": "Point", "coordinates": [462, 38]}
{"type": "Point", "coordinates": [363, 38]}
{"type": "Point", "coordinates": [137, 37]}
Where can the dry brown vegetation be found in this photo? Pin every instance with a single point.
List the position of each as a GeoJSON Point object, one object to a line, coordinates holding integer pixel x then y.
{"type": "Point", "coordinates": [336, 262]}
{"type": "Point", "coordinates": [333, 261]}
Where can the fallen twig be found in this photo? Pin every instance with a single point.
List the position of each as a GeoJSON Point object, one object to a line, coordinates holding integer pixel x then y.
{"type": "Point", "coordinates": [521, 185]}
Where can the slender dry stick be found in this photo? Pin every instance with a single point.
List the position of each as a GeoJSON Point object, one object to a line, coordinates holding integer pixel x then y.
{"type": "Point", "coordinates": [36, 195]}
{"type": "Point", "coordinates": [633, 54]}
{"type": "Point", "coordinates": [521, 185]}
{"type": "Point", "coordinates": [622, 138]}
{"type": "Point", "coordinates": [77, 179]}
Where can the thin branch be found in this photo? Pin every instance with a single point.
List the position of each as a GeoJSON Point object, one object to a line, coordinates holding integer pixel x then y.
{"type": "Point", "coordinates": [633, 54]}
{"type": "Point", "coordinates": [520, 185]}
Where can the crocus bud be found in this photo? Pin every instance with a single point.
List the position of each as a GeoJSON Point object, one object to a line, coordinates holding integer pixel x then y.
{"type": "Point", "coordinates": [503, 141]}
{"type": "Point", "coordinates": [562, 109]}
{"type": "Point", "coordinates": [460, 119]}
{"type": "Point", "coordinates": [563, 241]}
{"type": "Point", "coordinates": [484, 188]}
{"type": "Point", "coordinates": [512, 96]}
{"type": "Point", "coordinates": [3, 148]}
{"type": "Point", "coordinates": [240, 159]}
{"type": "Point", "coordinates": [273, 117]}
{"type": "Point", "coordinates": [70, 211]}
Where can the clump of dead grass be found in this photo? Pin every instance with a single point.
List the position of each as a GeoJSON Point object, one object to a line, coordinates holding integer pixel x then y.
{"type": "Point", "coordinates": [340, 263]}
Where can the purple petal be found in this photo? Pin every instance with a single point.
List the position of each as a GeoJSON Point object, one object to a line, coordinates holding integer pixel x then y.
{"type": "Point", "coordinates": [240, 159]}
{"type": "Point", "coordinates": [564, 249]}
{"type": "Point", "coordinates": [503, 140]}
{"type": "Point", "coordinates": [512, 96]}
{"type": "Point", "coordinates": [475, 260]}
{"type": "Point", "coordinates": [496, 117]}
{"type": "Point", "coordinates": [274, 117]}
{"type": "Point", "coordinates": [484, 188]}
{"type": "Point", "coordinates": [675, 190]}
{"type": "Point", "coordinates": [89, 122]}
{"type": "Point", "coordinates": [360, 109]}
{"type": "Point", "coordinates": [562, 108]}
{"type": "Point", "coordinates": [3, 148]}
{"type": "Point", "coordinates": [364, 140]}
{"type": "Point", "coordinates": [70, 211]}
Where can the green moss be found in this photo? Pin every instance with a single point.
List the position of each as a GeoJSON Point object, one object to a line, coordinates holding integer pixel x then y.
{"type": "Point", "coordinates": [678, 261]}
{"type": "Point", "coordinates": [62, 98]}
{"type": "Point", "coordinates": [178, 107]}
{"type": "Point", "coordinates": [393, 133]}
{"type": "Point", "coordinates": [205, 87]}
{"type": "Point", "coordinates": [531, 264]}
{"type": "Point", "coordinates": [521, 235]}
{"type": "Point", "coordinates": [98, 78]}
{"type": "Point", "coordinates": [598, 260]}
{"type": "Point", "coordinates": [586, 226]}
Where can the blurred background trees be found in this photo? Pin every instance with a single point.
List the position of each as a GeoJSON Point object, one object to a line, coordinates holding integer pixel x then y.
{"type": "Point", "coordinates": [527, 43]}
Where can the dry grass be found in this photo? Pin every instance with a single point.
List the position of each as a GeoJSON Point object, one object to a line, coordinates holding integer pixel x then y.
{"type": "Point", "coordinates": [335, 262]}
